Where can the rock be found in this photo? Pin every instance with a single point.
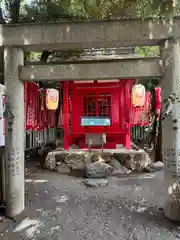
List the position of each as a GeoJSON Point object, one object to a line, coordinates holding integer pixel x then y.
{"type": "Point", "coordinates": [50, 161]}
{"type": "Point", "coordinates": [98, 170]}
{"type": "Point", "coordinates": [106, 156]}
{"type": "Point", "coordinates": [62, 169]}
{"type": "Point", "coordinates": [118, 168]}
{"type": "Point", "coordinates": [96, 157]}
{"type": "Point", "coordinates": [101, 157]}
{"type": "Point", "coordinates": [144, 161]}
{"type": "Point", "coordinates": [138, 162]}
{"type": "Point", "coordinates": [77, 161]}
{"type": "Point", "coordinates": [157, 165]}
{"type": "Point", "coordinates": [115, 164]}
{"type": "Point", "coordinates": [60, 156]}
{"type": "Point", "coordinates": [95, 182]}
{"type": "Point", "coordinates": [120, 157]}
{"type": "Point", "coordinates": [129, 162]}
{"type": "Point", "coordinates": [128, 171]}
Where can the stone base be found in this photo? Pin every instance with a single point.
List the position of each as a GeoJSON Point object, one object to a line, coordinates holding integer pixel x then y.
{"type": "Point", "coordinates": [118, 161]}
{"type": "Point", "coordinates": [136, 162]}
{"type": "Point", "coordinates": [172, 210]}
{"type": "Point", "coordinates": [172, 202]}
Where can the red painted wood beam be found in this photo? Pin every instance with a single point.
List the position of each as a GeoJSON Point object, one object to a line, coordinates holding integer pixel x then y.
{"type": "Point", "coordinates": [65, 115]}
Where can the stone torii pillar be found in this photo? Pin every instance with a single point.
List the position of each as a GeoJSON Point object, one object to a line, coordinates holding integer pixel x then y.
{"type": "Point", "coordinates": [14, 131]}
{"type": "Point", "coordinates": [170, 54]}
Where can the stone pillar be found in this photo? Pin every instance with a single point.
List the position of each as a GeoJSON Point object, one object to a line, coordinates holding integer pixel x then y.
{"type": "Point", "coordinates": [170, 54]}
{"type": "Point", "coordinates": [14, 127]}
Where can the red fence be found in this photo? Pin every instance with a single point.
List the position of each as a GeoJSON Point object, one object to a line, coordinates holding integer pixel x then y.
{"type": "Point", "coordinates": [38, 117]}
{"type": "Point", "coordinates": [40, 123]}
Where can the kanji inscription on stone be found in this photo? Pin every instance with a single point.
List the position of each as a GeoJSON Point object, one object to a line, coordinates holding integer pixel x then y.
{"type": "Point", "coordinates": [14, 162]}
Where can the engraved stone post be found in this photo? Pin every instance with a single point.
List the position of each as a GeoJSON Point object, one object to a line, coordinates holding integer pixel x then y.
{"type": "Point", "coordinates": [14, 138]}
{"type": "Point", "coordinates": [170, 54]}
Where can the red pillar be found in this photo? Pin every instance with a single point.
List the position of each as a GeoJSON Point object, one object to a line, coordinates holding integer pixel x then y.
{"type": "Point", "coordinates": [127, 112]}
{"type": "Point", "coordinates": [66, 115]}
{"type": "Point", "coordinates": [128, 137]}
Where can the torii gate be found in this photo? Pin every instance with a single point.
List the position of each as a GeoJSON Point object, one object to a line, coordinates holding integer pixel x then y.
{"type": "Point", "coordinates": [79, 35]}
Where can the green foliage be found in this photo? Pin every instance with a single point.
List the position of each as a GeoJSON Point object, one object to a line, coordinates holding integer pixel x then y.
{"type": "Point", "coordinates": [43, 10]}
{"type": "Point", "coordinates": [148, 51]}
{"type": "Point", "coordinates": [32, 56]}
{"type": "Point", "coordinates": [54, 10]}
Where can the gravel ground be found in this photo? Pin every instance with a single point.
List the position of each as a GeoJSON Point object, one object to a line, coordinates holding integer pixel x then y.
{"type": "Point", "coordinates": [62, 208]}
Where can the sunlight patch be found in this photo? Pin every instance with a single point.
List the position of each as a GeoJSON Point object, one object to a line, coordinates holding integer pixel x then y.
{"type": "Point", "coordinates": [36, 181]}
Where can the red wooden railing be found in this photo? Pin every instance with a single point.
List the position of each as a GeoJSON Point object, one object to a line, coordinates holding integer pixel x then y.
{"type": "Point", "coordinates": [37, 116]}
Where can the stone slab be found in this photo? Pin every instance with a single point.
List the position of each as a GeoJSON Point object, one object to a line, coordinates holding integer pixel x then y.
{"type": "Point", "coordinates": [92, 70]}
{"type": "Point", "coordinates": [88, 34]}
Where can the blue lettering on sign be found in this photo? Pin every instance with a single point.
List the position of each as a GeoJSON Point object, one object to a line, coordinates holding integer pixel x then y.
{"type": "Point", "coordinates": [95, 121]}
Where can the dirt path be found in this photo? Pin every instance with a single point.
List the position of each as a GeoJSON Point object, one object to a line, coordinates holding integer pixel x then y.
{"type": "Point", "coordinates": [62, 208]}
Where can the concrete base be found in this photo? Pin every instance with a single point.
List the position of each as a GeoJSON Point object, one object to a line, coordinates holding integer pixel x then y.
{"type": "Point", "coordinates": [112, 151]}
{"type": "Point", "coordinates": [172, 201]}
{"type": "Point", "coordinates": [2, 178]}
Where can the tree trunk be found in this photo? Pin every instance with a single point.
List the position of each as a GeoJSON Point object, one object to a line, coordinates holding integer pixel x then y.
{"type": "Point", "coordinates": [15, 10]}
